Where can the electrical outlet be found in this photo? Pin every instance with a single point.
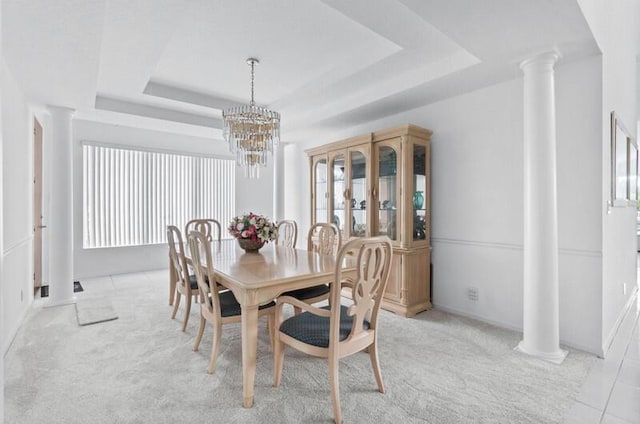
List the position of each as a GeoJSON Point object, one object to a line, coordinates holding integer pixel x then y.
{"type": "Point", "coordinates": [472, 293]}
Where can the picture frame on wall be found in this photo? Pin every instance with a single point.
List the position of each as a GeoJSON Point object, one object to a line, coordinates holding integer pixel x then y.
{"type": "Point", "coordinates": [620, 139]}
{"type": "Point", "coordinates": [632, 171]}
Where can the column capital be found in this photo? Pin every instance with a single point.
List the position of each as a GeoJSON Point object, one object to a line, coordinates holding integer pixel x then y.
{"type": "Point", "coordinates": [542, 59]}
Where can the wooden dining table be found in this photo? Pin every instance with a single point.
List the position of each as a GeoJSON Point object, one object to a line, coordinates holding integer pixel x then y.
{"type": "Point", "coordinates": [258, 278]}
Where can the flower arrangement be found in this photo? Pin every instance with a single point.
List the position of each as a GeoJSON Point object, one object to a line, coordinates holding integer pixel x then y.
{"type": "Point", "coordinates": [253, 227]}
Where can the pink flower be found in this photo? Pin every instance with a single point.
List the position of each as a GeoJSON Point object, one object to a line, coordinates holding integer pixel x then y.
{"type": "Point", "coordinates": [252, 226]}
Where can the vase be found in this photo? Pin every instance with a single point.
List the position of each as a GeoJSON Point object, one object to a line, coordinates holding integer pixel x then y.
{"type": "Point", "coordinates": [419, 234]}
{"type": "Point", "coordinates": [418, 200]}
{"type": "Point", "coordinates": [250, 246]}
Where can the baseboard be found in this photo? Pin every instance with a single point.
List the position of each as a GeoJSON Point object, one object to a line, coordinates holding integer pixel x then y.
{"type": "Point", "coordinates": [510, 327]}
{"type": "Point", "coordinates": [616, 327]}
{"type": "Point", "coordinates": [466, 314]}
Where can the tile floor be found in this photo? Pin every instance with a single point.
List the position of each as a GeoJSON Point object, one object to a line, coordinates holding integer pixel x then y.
{"type": "Point", "coordinates": [611, 394]}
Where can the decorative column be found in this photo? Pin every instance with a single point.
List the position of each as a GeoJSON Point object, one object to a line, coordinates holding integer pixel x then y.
{"type": "Point", "coordinates": [278, 182]}
{"type": "Point", "coordinates": [61, 208]}
{"type": "Point", "coordinates": [541, 328]}
{"type": "Point", "coordinates": [3, 333]}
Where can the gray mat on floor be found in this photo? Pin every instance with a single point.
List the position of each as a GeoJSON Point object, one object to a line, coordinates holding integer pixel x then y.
{"type": "Point", "coordinates": [95, 310]}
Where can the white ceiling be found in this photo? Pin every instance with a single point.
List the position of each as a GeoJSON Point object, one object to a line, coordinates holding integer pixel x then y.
{"type": "Point", "coordinates": [324, 64]}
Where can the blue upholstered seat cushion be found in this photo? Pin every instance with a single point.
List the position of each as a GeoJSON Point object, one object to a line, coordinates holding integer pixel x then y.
{"type": "Point", "coordinates": [309, 292]}
{"type": "Point", "coordinates": [229, 306]}
{"type": "Point", "coordinates": [194, 281]}
{"type": "Point", "coordinates": [314, 330]}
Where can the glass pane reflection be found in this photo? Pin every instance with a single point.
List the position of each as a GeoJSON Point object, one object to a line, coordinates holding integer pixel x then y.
{"type": "Point", "coordinates": [321, 191]}
{"type": "Point", "coordinates": [358, 194]}
{"type": "Point", "coordinates": [387, 183]}
{"type": "Point", "coordinates": [420, 188]}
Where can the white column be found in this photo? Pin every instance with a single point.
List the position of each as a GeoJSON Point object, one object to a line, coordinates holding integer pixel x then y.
{"type": "Point", "coordinates": [541, 333]}
{"type": "Point", "coordinates": [2, 279]}
{"type": "Point", "coordinates": [61, 208]}
{"type": "Point", "coordinates": [278, 182]}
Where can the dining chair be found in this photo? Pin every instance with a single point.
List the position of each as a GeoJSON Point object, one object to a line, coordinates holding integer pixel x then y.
{"type": "Point", "coordinates": [218, 307]}
{"type": "Point", "coordinates": [182, 281]}
{"type": "Point", "coordinates": [209, 227]}
{"type": "Point", "coordinates": [324, 238]}
{"type": "Point", "coordinates": [337, 331]}
{"type": "Point", "coordinates": [287, 233]}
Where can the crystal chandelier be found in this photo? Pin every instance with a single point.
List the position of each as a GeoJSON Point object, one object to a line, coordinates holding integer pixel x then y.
{"type": "Point", "coordinates": [251, 131]}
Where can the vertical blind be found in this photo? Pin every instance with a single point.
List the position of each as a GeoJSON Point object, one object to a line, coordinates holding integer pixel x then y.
{"type": "Point", "coordinates": [130, 196]}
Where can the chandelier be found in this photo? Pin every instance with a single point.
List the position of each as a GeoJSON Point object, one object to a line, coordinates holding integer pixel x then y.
{"type": "Point", "coordinates": [251, 131]}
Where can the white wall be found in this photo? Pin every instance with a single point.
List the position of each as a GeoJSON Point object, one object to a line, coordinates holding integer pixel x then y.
{"type": "Point", "coordinates": [17, 175]}
{"type": "Point", "coordinates": [614, 25]}
{"type": "Point", "coordinates": [477, 199]}
{"type": "Point", "coordinates": [251, 195]}
{"type": "Point", "coordinates": [296, 192]}
{"type": "Point", "coordinates": [578, 125]}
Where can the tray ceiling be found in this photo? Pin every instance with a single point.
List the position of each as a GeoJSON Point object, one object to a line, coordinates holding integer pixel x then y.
{"type": "Point", "coordinates": [322, 63]}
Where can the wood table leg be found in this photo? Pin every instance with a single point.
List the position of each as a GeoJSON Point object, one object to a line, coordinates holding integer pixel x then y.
{"type": "Point", "coordinates": [249, 351]}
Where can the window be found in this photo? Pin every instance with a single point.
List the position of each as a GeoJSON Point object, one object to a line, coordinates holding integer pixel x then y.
{"type": "Point", "coordinates": [130, 196]}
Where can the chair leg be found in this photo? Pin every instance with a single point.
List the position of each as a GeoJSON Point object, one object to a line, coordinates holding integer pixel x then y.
{"type": "Point", "coordinates": [176, 304]}
{"type": "Point", "coordinates": [215, 348]}
{"type": "Point", "coordinates": [187, 311]}
{"type": "Point", "coordinates": [278, 361]}
{"type": "Point", "coordinates": [373, 354]}
{"type": "Point", "coordinates": [335, 388]}
{"type": "Point", "coordinates": [172, 283]}
{"type": "Point", "coordinates": [271, 328]}
{"type": "Point", "coordinates": [203, 323]}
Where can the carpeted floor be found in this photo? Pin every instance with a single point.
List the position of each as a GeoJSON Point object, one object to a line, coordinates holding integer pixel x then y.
{"type": "Point", "coordinates": [437, 368]}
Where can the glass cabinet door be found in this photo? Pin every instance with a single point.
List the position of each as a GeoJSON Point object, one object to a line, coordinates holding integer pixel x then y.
{"type": "Point", "coordinates": [320, 199]}
{"type": "Point", "coordinates": [420, 191]}
{"type": "Point", "coordinates": [387, 193]}
{"type": "Point", "coordinates": [358, 191]}
{"type": "Point", "coordinates": [337, 191]}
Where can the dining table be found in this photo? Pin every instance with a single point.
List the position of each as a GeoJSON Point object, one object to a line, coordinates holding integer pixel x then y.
{"type": "Point", "coordinates": [258, 278]}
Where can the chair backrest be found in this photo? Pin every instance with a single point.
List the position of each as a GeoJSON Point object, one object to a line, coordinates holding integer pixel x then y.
{"type": "Point", "coordinates": [200, 249]}
{"type": "Point", "coordinates": [176, 254]}
{"type": "Point", "coordinates": [324, 238]}
{"type": "Point", "coordinates": [287, 233]}
{"type": "Point", "coordinates": [373, 264]}
{"type": "Point", "coordinates": [209, 227]}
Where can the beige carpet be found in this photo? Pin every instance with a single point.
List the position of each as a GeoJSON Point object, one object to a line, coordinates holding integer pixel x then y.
{"type": "Point", "coordinates": [437, 368]}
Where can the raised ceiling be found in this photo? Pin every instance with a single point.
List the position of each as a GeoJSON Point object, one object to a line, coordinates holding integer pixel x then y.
{"type": "Point", "coordinates": [323, 63]}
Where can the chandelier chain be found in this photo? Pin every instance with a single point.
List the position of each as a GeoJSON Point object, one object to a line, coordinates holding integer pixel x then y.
{"type": "Point", "coordinates": [252, 62]}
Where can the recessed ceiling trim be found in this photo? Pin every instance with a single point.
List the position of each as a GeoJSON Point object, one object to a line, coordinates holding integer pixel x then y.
{"type": "Point", "coordinates": [123, 106]}
{"type": "Point", "coordinates": [171, 92]}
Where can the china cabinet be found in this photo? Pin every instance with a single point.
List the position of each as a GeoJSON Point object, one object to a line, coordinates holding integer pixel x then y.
{"type": "Point", "coordinates": [378, 184]}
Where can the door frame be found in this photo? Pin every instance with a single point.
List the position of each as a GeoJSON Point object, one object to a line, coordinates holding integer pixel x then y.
{"type": "Point", "coordinates": [37, 204]}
